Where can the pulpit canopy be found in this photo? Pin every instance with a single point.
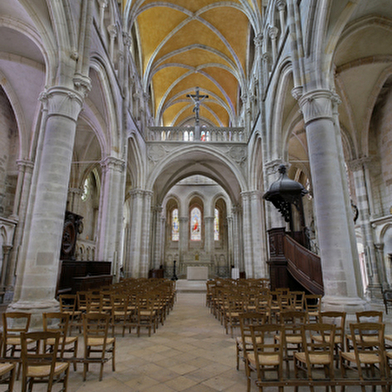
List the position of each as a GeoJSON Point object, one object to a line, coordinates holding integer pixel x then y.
{"type": "Point", "coordinates": [284, 192]}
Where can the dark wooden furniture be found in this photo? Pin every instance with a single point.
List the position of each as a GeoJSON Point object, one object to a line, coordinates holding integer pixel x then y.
{"type": "Point", "coordinates": [83, 275]}
{"type": "Point", "coordinates": [291, 264]}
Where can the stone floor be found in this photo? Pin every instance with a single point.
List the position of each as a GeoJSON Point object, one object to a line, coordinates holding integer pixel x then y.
{"type": "Point", "coordinates": [190, 353]}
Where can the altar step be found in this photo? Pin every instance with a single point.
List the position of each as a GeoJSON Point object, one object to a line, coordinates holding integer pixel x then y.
{"type": "Point", "coordinates": [191, 286]}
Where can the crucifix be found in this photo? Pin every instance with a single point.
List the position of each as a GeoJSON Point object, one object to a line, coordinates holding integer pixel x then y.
{"type": "Point", "coordinates": [196, 100]}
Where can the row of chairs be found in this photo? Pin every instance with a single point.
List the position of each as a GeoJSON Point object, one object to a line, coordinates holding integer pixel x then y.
{"type": "Point", "coordinates": [308, 345]}
{"type": "Point", "coordinates": [227, 300]}
{"type": "Point", "coordinates": [137, 305]}
{"type": "Point", "coordinates": [45, 356]}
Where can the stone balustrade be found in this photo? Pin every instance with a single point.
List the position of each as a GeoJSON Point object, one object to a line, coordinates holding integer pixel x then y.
{"type": "Point", "coordinates": [192, 134]}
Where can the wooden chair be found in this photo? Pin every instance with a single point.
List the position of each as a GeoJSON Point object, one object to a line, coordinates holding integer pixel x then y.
{"type": "Point", "coordinates": [68, 304]}
{"type": "Point", "coordinates": [94, 303]}
{"type": "Point", "coordinates": [7, 371]}
{"type": "Point", "coordinates": [316, 353]}
{"type": "Point", "coordinates": [40, 365]}
{"type": "Point", "coordinates": [267, 354]}
{"type": "Point", "coordinates": [313, 307]}
{"type": "Point", "coordinates": [244, 342]}
{"type": "Point", "coordinates": [120, 313]}
{"type": "Point", "coordinates": [298, 300]}
{"type": "Point", "coordinates": [145, 315]}
{"type": "Point", "coordinates": [235, 306]}
{"type": "Point", "coordinates": [96, 341]}
{"type": "Point", "coordinates": [339, 320]}
{"type": "Point", "coordinates": [14, 323]}
{"type": "Point", "coordinates": [368, 352]}
{"type": "Point", "coordinates": [292, 321]}
{"type": "Point", "coordinates": [59, 322]}
{"type": "Point", "coordinates": [366, 316]}
{"type": "Point", "coordinates": [82, 301]}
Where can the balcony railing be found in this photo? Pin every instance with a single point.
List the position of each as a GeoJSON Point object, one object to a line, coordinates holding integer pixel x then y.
{"type": "Point", "coordinates": [194, 134]}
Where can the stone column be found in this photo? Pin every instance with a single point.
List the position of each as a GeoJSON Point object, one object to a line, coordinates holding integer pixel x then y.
{"type": "Point", "coordinates": [133, 269]}
{"type": "Point", "coordinates": [112, 29]}
{"type": "Point", "coordinates": [230, 242]}
{"type": "Point", "coordinates": [375, 270]}
{"type": "Point", "coordinates": [146, 219]}
{"type": "Point", "coordinates": [184, 237]}
{"type": "Point", "coordinates": [273, 33]}
{"type": "Point", "coordinates": [258, 236]}
{"type": "Point", "coordinates": [258, 41]}
{"type": "Point", "coordinates": [102, 6]}
{"type": "Point", "coordinates": [266, 61]}
{"type": "Point", "coordinates": [379, 250]}
{"type": "Point", "coordinates": [281, 5]}
{"type": "Point", "coordinates": [37, 276]}
{"type": "Point", "coordinates": [6, 253]}
{"type": "Point", "coordinates": [158, 236]}
{"type": "Point", "coordinates": [237, 238]}
{"type": "Point", "coordinates": [25, 172]}
{"type": "Point", "coordinates": [74, 195]}
{"type": "Point", "coordinates": [209, 234]}
{"type": "Point", "coordinates": [338, 252]}
{"type": "Point", "coordinates": [248, 235]}
{"type": "Point", "coordinates": [110, 210]}
{"type": "Point", "coordinates": [274, 218]}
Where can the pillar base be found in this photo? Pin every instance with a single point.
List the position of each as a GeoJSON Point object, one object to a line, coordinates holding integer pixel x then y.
{"type": "Point", "coordinates": [374, 293]}
{"type": "Point", "coordinates": [345, 304]}
{"type": "Point", "coordinates": [36, 308]}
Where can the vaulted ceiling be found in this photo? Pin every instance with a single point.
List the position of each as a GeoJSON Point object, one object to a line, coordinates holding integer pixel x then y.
{"type": "Point", "coordinates": [184, 44]}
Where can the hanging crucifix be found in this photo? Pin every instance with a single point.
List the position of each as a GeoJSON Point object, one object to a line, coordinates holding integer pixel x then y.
{"type": "Point", "coordinates": [196, 100]}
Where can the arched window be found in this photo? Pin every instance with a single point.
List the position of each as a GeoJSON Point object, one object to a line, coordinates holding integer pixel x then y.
{"type": "Point", "coordinates": [175, 225]}
{"type": "Point", "coordinates": [216, 225]}
{"type": "Point", "coordinates": [86, 189]}
{"type": "Point", "coordinates": [195, 224]}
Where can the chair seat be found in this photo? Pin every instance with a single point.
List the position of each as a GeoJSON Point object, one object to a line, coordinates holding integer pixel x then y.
{"type": "Point", "coordinates": [314, 359]}
{"type": "Point", "coordinates": [99, 341]}
{"type": "Point", "coordinates": [367, 339]}
{"type": "Point", "coordinates": [6, 367]}
{"type": "Point", "coordinates": [364, 358]}
{"type": "Point", "coordinates": [68, 340]}
{"type": "Point", "coordinates": [265, 360]}
{"type": "Point", "coordinates": [388, 337]}
{"type": "Point", "coordinates": [318, 338]}
{"type": "Point", "coordinates": [44, 371]}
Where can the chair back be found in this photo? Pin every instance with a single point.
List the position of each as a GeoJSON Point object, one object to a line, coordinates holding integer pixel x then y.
{"type": "Point", "coordinates": [95, 325]}
{"type": "Point", "coordinates": [267, 352]}
{"type": "Point", "coordinates": [320, 350]}
{"type": "Point", "coordinates": [339, 320]}
{"type": "Point", "coordinates": [57, 322]}
{"type": "Point", "coordinates": [369, 342]}
{"type": "Point", "coordinates": [68, 303]}
{"type": "Point", "coordinates": [43, 360]}
{"type": "Point", "coordinates": [15, 322]}
{"type": "Point", "coordinates": [370, 316]}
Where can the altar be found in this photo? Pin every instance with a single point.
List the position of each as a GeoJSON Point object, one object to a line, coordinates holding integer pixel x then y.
{"type": "Point", "coordinates": [197, 273]}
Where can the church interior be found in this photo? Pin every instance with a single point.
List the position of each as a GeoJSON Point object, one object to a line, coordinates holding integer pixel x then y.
{"type": "Point", "coordinates": [196, 140]}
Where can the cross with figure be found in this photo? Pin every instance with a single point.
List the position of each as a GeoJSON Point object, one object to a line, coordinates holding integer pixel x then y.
{"type": "Point", "coordinates": [196, 100]}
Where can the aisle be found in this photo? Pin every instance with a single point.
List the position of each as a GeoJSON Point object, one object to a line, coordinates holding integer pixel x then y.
{"type": "Point", "coordinates": [190, 353]}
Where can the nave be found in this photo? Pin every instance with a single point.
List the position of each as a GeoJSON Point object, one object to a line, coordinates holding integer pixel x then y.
{"type": "Point", "coordinates": [190, 353]}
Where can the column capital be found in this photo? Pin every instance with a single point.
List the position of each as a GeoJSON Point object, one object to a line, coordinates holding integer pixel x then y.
{"type": "Point", "coordinates": [24, 164]}
{"type": "Point", "coordinates": [209, 218]}
{"type": "Point", "coordinates": [183, 219]}
{"type": "Point", "coordinates": [76, 191]}
{"type": "Point", "coordinates": [127, 39]}
{"type": "Point", "coordinates": [272, 167]}
{"type": "Point", "coordinates": [357, 164]}
{"type": "Point", "coordinates": [112, 163]}
{"type": "Point", "coordinates": [112, 29]}
{"type": "Point", "coordinates": [237, 208]}
{"type": "Point", "coordinates": [379, 246]}
{"type": "Point", "coordinates": [266, 56]}
{"type": "Point", "coordinates": [281, 5]}
{"type": "Point", "coordinates": [136, 193]}
{"type": "Point", "coordinates": [258, 40]}
{"type": "Point", "coordinates": [273, 32]}
{"type": "Point", "coordinates": [62, 101]}
{"type": "Point", "coordinates": [319, 104]}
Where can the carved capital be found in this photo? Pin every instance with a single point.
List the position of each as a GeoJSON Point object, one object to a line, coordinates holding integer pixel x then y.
{"type": "Point", "coordinates": [358, 164]}
{"type": "Point", "coordinates": [82, 83]}
{"type": "Point", "coordinates": [62, 101]}
{"type": "Point", "coordinates": [25, 165]}
{"type": "Point", "coordinates": [281, 5]}
{"type": "Point", "coordinates": [273, 32]}
{"type": "Point", "coordinates": [318, 104]}
{"type": "Point", "coordinates": [112, 30]}
{"type": "Point", "coordinates": [258, 40]}
{"type": "Point", "coordinates": [127, 39]}
{"type": "Point", "coordinates": [272, 167]}
{"type": "Point", "coordinates": [112, 163]}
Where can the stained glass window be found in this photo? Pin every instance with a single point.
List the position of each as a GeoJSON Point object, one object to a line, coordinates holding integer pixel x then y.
{"type": "Point", "coordinates": [195, 224]}
{"type": "Point", "coordinates": [216, 225]}
{"type": "Point", "coordinates": [86, 190]}
{"type": "Point", "coordinates": [175, 226]}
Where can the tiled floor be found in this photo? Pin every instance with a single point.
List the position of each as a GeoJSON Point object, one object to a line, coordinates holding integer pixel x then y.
{"type": "Point", "coordinates": [190, 353]}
